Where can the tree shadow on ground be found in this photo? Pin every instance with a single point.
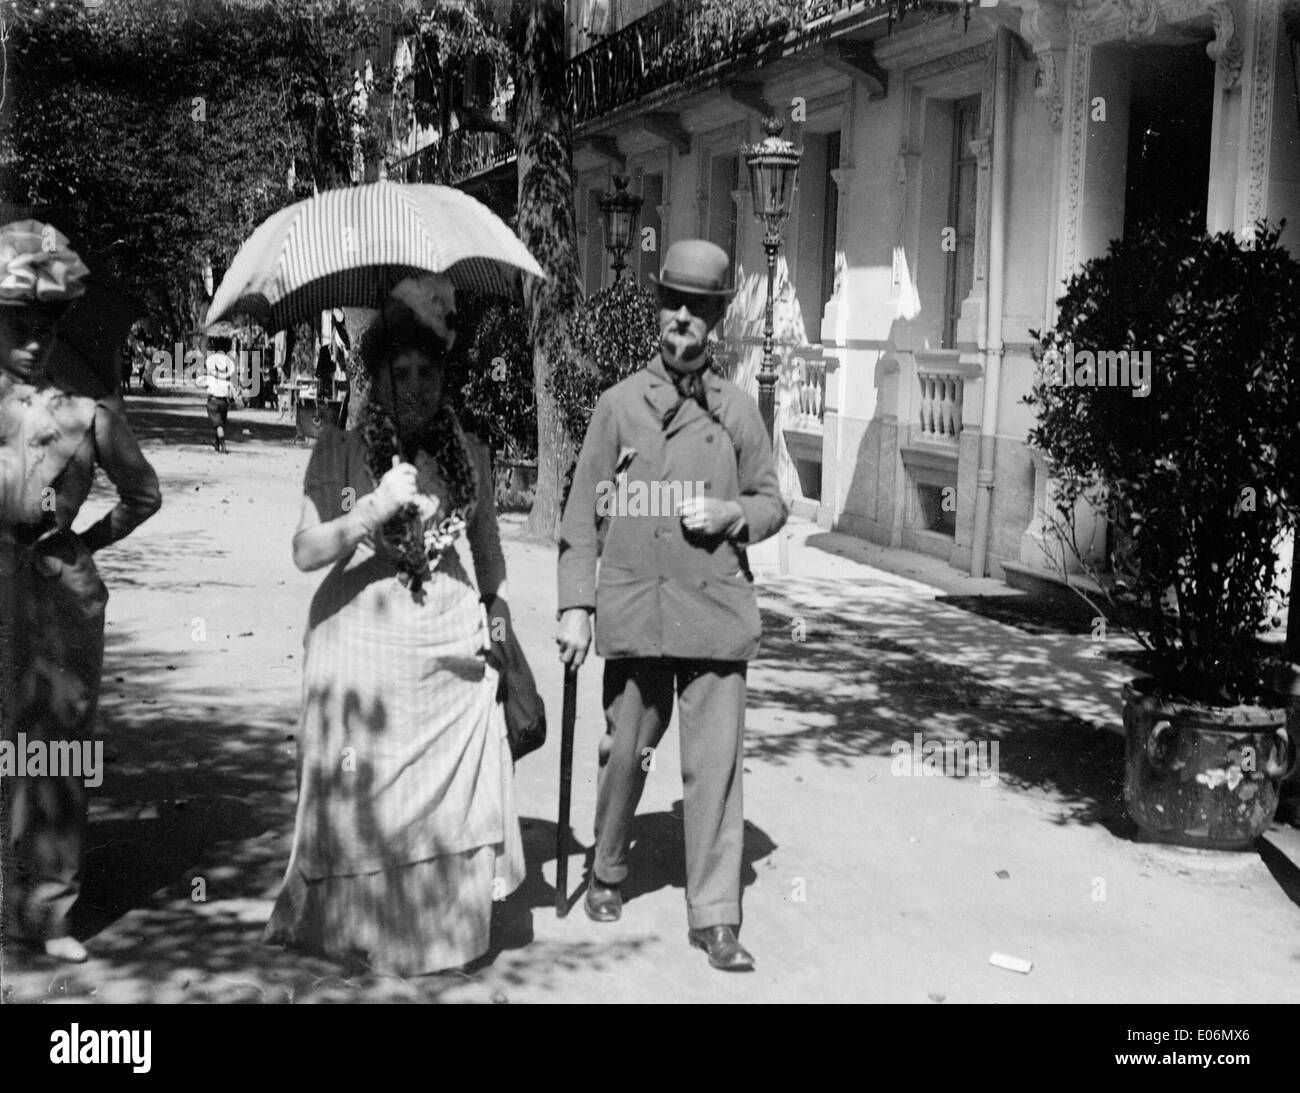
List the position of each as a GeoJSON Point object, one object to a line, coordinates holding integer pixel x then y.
{"type": "Point", "coordinates": [131, 562]}
{"type": "Point", "coordinates": [187, 848]}
{"type": "Point", "coordinates": [181, 420]}
{"type": "Point", "coordinates": [1031, 614]}
{"type": "Point", "coordinates": [657, 858]}
{"type": "Point", "coordinates": [846, 692]}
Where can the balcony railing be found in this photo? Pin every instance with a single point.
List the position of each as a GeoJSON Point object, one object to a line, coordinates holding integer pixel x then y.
{"type": "Point", "coordinates": [670, 44]}
{"type": "Point", "coordinates": [462, 154]}
{"type": "Point", "coordinates": [680, 40]}
{"type": "Point", "coordinates": [940, 407]}
{"type": "Point", "coordinates": [810, 389]}
{"type": "Point", "coordinates": [673, 44]}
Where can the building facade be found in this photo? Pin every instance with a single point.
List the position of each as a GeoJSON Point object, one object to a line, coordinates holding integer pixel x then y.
{"type": "Point", "coordinates": [960, 161]}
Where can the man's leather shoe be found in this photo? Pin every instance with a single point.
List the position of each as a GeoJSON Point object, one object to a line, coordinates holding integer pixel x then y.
{"type": "Point", "coordinates": [603, 902]}
{"type": "Point", "coordinates": [725, 951]}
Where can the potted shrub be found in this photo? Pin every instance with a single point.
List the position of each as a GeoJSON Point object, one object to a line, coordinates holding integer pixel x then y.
{"type": "Point", "coordinates": [1168, 396]}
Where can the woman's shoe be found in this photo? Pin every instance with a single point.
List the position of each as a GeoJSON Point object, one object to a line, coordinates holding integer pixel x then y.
{"type": "Point", "coordinates": [66, 948]}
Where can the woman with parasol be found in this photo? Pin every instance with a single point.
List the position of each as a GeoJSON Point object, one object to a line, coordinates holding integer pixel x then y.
{"type": "Point", "coordinates": [406, 830]}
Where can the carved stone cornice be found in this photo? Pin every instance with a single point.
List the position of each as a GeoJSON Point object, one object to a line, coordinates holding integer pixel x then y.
{"type": "Point", "coordinates": [1043, 24]}
{"type": "Point", "coordinates": [1139, 17]}
{"type": "Point", "coordinates": [835, 100]}
{"type": "Point", "coordinates": [1136, 18]}
{"type": "Point", "coordinates": [1093, 22]}
{"type": "Point", "coordinates": [1226, 50]}
{"type": "Point", "coordinates": [959, 58]}
{"type": "Point", "coordinates": [1265, 15]}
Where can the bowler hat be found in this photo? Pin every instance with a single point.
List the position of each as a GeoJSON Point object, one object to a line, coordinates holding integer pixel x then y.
{"type": "Point", "coordinates": [696, 266]}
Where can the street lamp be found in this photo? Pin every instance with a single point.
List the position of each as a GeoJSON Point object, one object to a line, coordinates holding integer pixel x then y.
{"type": "Point", "coordinates": [773, 167]}
{"type": "Point", "coordinates": [620, 210]}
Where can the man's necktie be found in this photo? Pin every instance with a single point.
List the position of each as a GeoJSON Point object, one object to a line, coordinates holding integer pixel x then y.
{"type": "Point", "coordinates": [690, 385]}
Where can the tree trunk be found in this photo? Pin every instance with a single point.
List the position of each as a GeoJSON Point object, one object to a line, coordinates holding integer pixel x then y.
{"type": "Point", "coordinates": [547, 226]}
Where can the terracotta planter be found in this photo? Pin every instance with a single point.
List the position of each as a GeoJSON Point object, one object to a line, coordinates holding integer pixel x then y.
{"type": "Point", "coordinates": [1203, 777]}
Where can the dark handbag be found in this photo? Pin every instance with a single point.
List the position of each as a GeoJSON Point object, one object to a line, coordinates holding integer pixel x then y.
{"type": "Point", "coordinates": [525, 714]}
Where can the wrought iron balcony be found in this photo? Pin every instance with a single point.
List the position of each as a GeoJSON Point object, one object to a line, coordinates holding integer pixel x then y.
{"type": "Point", "coordinates": [461, 155]}
{"type": "Point", "coordinates": [675, 43]}
{"type": "Point", "coordinates": [683, 39]}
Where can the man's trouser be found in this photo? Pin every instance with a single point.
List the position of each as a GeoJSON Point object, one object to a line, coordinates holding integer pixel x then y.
{"type": "Point", "coordinates": [638, 696]}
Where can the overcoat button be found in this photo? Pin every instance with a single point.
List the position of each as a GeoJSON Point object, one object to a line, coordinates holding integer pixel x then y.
{"type": "Point", "coordinates": [708, 439]}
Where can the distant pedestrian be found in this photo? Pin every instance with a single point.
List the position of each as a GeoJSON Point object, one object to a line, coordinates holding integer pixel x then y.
{"type": "Point", "coordinates": [51, 597]}
{"type": "Point", "coordinates": [674, 601]}
{"type": "Point", "coordinates": [219, 377]}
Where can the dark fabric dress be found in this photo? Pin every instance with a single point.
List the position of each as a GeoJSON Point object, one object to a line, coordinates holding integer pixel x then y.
{"type": "Point", "coordinates": [52, 629]}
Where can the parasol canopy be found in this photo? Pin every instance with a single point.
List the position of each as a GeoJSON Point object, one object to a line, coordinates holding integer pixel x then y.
{"type": "Point", "coordinates": [349, 247]}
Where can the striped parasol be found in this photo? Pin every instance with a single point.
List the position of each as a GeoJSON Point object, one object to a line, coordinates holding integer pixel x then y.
{"type": "Point", "coordinates": [349, 247]}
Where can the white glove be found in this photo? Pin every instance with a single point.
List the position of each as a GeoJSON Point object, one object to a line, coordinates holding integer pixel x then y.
{"type": "Point", "coordinates": [397, 488]}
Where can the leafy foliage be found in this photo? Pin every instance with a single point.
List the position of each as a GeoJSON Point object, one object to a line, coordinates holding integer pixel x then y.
{"type": "Point", "coordinates": [616, 332]}
{"type": "Point", "coordinates": [720, 27]}
{"type": "Point", "coordinates": [159, 133]}
{"type": "Point", "coordinates": [491, 372]}
{"type": "Point", "coordinates": [446, 37]}
{"type": "Point", "coordinates": [1199, 477]}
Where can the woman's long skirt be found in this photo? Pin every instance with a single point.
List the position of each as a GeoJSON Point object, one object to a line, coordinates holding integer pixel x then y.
{"type": "Point", "coordinates": [51, 654]}
{"type": "Point", "coordinates": [406, 827]}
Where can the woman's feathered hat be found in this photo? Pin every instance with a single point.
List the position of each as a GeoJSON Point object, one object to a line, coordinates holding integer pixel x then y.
{"type": "Point", "coordinates": [37, 266]}
{"type": "Point", "coordinates": [418, 309]}
{"type": "Point", "coordinates": [431, 301]}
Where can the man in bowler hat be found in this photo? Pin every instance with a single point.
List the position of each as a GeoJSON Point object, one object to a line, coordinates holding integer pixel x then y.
{"type": "Point", "coordinates": [674, 601]}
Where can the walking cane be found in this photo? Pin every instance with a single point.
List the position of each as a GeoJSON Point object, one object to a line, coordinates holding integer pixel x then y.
{"type": "Point", "coordinates": [566, 780]}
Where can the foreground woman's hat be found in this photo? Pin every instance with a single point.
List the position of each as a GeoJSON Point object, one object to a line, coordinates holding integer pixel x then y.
{"type": "Point", "coordinates": [696, 266]}
{"type": "Point", "coordinates": [37, 266]}
{"type": "Point", "coordinates": [431, 299]}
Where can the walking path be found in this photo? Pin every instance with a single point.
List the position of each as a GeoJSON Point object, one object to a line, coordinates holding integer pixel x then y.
{"type": "Point", "coordinates": [861, 882]}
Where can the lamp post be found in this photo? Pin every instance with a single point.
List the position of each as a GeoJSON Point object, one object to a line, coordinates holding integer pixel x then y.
{"type": "Point", "coordinates": [773, 167]}
{"type": "Point", "coordinates": [620, 210]}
